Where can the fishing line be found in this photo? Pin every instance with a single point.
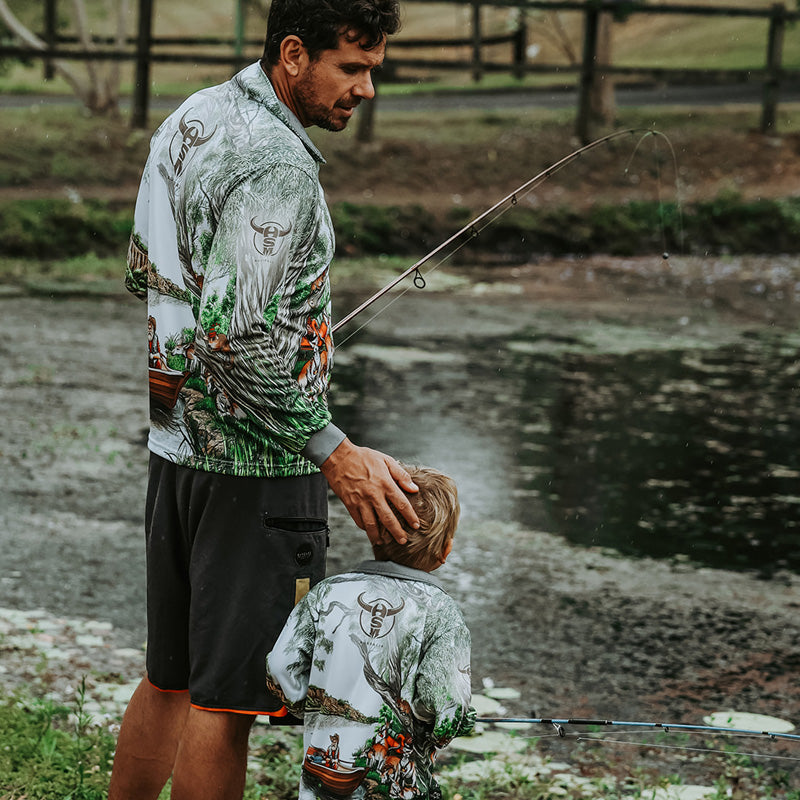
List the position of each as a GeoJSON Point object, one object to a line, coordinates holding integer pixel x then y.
{"type": "Point", "coordinates": [478, 224]}
{"type": "Point", "coordinates": [503, 206]}
{"type": "Point", "coordinates": [659, 187]}
{"type": "Point", "coordinates": [644, 728]}
{"type": "Point", "coordinates": [666, 727]}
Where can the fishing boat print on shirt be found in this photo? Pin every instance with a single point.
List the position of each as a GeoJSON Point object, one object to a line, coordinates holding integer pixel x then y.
{"type": "Point", "coordinates": [239, 344]}
{"type": "Point", "coordinates": [378, 667]}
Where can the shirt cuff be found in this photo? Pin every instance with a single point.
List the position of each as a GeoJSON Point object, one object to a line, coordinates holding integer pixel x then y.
{"type": "Point", "coordinates": [322, 444]}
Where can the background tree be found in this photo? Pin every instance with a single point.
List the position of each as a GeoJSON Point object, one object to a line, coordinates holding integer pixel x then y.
{"type": "Point", "coordinates": [96, 83]}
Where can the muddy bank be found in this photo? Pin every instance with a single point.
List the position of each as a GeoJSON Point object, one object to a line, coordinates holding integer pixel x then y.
{"type": "Point", "coordinates": [580, 631]}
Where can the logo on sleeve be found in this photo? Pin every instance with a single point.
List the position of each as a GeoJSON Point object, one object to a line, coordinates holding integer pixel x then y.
{"type": "Point", "coordinates": [267, 236]}
{"type": "Point", "coordinates": [189, 135]}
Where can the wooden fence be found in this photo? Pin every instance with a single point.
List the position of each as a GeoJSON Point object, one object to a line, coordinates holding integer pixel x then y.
{"type": "Point", "coordinates": [146, 49]}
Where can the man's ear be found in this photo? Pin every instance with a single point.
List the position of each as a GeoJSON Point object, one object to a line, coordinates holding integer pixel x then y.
{"type": "Point", "coordinates": [294, 55]}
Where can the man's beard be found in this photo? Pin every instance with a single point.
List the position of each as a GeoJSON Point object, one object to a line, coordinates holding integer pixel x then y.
{"type": "Point", "coordinates": [315, 112]}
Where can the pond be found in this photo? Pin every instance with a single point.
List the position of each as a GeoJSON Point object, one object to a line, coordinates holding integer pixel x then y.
{"type": "Point", "coordinates": [608, 444]}
{"type": "Point", "coordinates": [661, 436]}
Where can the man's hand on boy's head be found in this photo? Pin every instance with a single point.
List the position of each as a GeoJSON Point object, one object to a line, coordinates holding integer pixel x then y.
{"type": "Point", "coordinates": [371, 485]}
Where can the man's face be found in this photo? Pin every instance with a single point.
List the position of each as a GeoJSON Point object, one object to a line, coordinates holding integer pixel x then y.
{"type": "Point", "coordinates": [330, 87]}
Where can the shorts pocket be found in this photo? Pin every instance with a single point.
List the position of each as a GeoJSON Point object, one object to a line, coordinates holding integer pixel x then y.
{"type": "Point", "coordinates": [299, 550]}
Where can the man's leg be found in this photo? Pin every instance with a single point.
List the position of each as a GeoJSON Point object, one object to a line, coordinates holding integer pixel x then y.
{"type": "Point", "coordinates": [211, 762]}
{"type": "Point", "coordinates": [148, 742]}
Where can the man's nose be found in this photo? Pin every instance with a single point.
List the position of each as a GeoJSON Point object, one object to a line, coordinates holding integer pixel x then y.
{"type": "Point", "coordinates": [365, 88]}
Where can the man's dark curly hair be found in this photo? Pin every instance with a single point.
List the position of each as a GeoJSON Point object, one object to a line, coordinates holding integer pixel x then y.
{"type": "Point", "coordinates": [319, 23]}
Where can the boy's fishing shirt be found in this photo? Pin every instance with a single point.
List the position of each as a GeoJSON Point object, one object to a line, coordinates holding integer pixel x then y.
{"type": "Point", "coordinates": [231, 246]}
{"type": "Point", "coordinates": [376, 661]}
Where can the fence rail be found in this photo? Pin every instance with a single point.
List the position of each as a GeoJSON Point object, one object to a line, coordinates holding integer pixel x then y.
{"type": "Point", "coordinates": [145, 50]}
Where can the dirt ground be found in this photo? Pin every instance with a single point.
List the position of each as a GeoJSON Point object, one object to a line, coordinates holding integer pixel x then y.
{"type": "Point", "coordinates": [578, 632]}
{"type": "Point", "coordinates": [678, 164]}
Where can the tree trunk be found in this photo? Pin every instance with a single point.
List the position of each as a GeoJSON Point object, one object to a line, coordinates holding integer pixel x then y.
{"type": "Point", "coordinates": [603, 107]}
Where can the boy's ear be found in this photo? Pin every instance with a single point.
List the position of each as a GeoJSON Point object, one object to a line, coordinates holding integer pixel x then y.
{"type": "Point", "coordinates": [447, 549]}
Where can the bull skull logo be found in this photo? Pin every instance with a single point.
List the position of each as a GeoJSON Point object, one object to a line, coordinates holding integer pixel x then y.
{"type": "Point", "coordinates": [266, 237]}
{"type": "Point", "coordinates": [377, 617]}
{"type": "Point", "coordinates": [188, 136]}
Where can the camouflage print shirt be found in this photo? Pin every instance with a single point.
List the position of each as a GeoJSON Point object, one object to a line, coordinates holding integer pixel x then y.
{"type": "Point", "coordinates": [231, 247]}
{"type": "Point", "coordinates": [377, 662]}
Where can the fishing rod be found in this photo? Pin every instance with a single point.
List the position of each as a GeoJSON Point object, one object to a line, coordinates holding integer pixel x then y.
{"type": "Point", "coordinates": [559, 724]}
{"type": "Point", "coordinates": [470, 227]}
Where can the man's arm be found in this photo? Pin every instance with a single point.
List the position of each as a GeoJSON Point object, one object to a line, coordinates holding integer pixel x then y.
{"type": "Point", "coordinates": [258, 375]}
{"type": "Point", "coordinates": [248, 338]}
{"type": "Point", "coordinates": [370, 485]}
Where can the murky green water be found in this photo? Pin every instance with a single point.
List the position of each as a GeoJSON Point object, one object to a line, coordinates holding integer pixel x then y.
{"type": "Point", "coordinates": [617, 437]}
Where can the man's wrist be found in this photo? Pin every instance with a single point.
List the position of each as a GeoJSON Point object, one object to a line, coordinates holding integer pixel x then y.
{"type": "Point", "coordinates": [322, 443]}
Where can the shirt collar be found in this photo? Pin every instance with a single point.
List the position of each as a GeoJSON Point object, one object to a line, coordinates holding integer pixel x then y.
{"type": "Point", "coordinates": [255, 83]}
{"type": "Point", "coordinates": [393, 570]}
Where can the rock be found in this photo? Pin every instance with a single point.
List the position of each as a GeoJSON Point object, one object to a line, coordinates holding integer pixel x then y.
{"type": "Point", "coordinates": [489, 742]}
{"type": "Point", "coordinates": [743, 720]}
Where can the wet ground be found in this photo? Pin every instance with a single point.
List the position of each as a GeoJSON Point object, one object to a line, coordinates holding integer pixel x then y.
{"type": "Point", "coordinates": [625, 439]}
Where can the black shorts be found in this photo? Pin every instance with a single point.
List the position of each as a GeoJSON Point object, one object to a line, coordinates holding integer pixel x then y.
{"type": "Point", "coordinates": [227, 559]}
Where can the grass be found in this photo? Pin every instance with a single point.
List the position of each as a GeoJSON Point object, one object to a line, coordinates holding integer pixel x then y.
{"type": "Point", "coordinates": [51, 751]}
{"type": "Point", "coordinates": [68, 182]}
{"type": "Point", "coordinates": [91, 238]}
{"type": "Point", "coordinates": [64, 146]}
{"type": "Point", "coordinates": [54, 752]}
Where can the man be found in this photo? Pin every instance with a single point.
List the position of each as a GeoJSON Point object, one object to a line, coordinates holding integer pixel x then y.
{"type": "Point", "coordinates": [231, 246]}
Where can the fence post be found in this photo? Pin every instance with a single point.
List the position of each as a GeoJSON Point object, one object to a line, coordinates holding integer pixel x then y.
{"type": "Point", "coordinates": [587, 73]}
{"type": "Point", "coordinates": [777, 29]}
{"type": "Point", "coordinates": [520, 45]}
{"type": "Point", "coordinates": [477, 67]}
{"type": "Point", "coordinates": [50, 35]}
{"type": "Point", "coordinates": [239, 26]}
{"type": "Point", "coordinates": [141, 92]}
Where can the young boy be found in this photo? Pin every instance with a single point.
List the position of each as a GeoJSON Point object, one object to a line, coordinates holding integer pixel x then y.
{"type": "Point", "coordinates": [377, 662]}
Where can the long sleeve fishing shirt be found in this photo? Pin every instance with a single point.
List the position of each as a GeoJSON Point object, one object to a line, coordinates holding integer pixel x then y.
{"type": "Point", "coordinates": [231, 248]}
{"type": "Point", "coordinates": [377, 662]}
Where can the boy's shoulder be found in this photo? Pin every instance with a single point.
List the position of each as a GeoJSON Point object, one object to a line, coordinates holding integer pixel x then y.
{"type": "Point", "coordinates": [384, 580]}
{"type": "Point", "coordinates": [399, 572]}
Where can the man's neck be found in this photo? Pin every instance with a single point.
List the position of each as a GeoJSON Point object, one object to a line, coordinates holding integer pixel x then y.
{"type": "Point", "coordinates": [281, 87]}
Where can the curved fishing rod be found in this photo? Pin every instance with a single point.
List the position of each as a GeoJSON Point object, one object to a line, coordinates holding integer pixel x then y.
{"type": "Point", "coordinates": [559, 724]}
{"type": "Point", "coordinates": [470, 226]}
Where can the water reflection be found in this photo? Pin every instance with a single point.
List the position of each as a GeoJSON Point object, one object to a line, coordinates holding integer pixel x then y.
{"type": "Point", "coordinates": [666, 451]}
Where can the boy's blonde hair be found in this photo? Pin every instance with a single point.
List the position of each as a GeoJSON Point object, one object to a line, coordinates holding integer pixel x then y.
{"type": "Point", "coordinates": [438, 509]}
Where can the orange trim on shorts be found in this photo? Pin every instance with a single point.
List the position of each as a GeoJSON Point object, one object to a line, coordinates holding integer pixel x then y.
{"type": "Point", "coordinates": [281, 712]}
{"type": "Point", "coordinates": [166, 691]}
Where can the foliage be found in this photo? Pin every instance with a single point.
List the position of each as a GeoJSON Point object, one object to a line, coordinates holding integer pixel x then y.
{"type": "Point", "coordinates": [49, 752]}
{"type": "Point", "coordinates": [59, 228]}
{"type": "Point", "coordinates": [376, 229]}
{"type": "Point", "coordinates": [275, 758]}
{"type": "Point", "coordinates": [54, 752]}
